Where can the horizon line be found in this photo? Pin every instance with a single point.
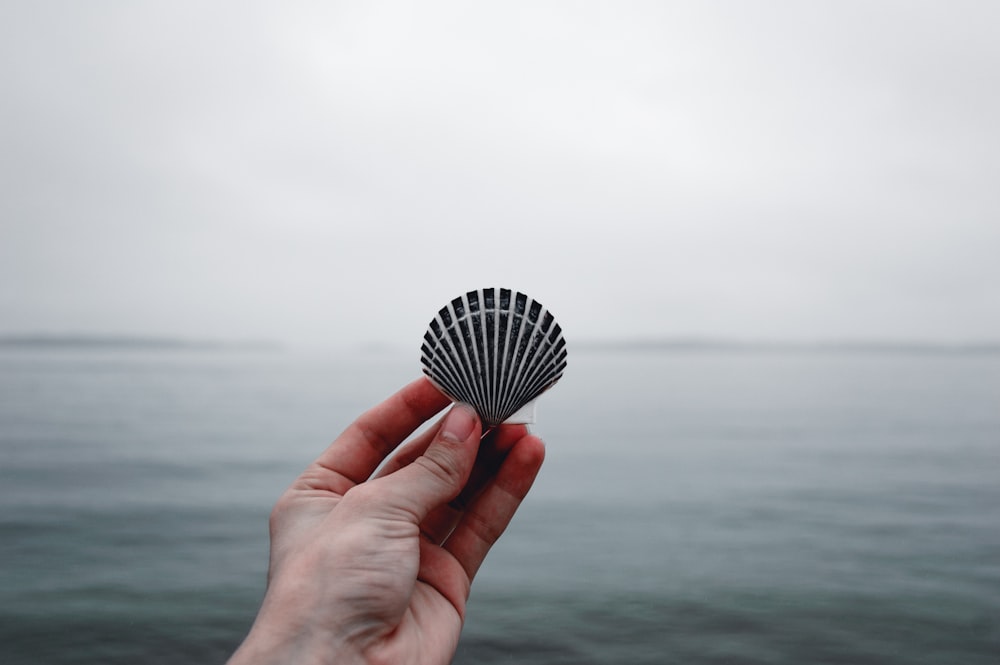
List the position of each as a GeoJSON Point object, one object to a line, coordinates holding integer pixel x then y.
{"type": "Point", "coordinates": [830, 345]}
{"type": "Point", "coordinates": [130, 341]}
{"type": "Point", "coordinates": [665, 344]}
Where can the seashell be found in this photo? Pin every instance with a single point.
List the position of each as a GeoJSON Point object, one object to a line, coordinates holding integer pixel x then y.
{"type": "Point", "coordinates": [496, 350]}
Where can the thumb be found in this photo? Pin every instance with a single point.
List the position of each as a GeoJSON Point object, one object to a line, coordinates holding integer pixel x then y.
{"type": "Point", "coordinates": [438, 475]}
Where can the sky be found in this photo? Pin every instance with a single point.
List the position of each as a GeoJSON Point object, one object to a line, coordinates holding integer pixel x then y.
{"type": "Point", "coordinates": [332, 173]}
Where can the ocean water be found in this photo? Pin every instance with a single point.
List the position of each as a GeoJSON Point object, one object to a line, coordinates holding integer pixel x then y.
{"type": "Point", "coordinates": [699, 507]}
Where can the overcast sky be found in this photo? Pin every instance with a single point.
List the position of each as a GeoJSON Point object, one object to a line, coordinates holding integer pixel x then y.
{"type": "Point", "coordinates": [333, 173]}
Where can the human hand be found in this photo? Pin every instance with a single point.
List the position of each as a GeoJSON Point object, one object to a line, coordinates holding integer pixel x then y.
{"type": "Point", "coordinates": [376, 567]}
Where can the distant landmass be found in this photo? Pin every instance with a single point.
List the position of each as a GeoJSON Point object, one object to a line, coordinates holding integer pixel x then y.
{"type": "Point", "coordinates": [129, 342]}
{"type": "Point", "coordinates": [678, 345]}
{"type": "Point", "coordinates": [694, 345]}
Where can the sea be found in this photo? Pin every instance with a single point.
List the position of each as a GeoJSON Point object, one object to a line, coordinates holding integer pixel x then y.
{"type": "Point", "coordinates": [755, 506]}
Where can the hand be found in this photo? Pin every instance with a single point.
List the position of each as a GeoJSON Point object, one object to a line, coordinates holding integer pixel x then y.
{"type": "Point", "coordinates": [373, 567]}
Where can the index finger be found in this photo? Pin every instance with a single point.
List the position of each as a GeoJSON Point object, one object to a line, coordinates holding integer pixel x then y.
{"type": "Point", "coordinates": [359, 450]}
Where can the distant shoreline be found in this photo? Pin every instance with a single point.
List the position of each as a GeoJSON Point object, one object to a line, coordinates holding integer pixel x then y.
{"type": "Point", "coordinates": [129, 343]}
{"type": "Point", "coordinates": [677, 346]}
{"type": "Point", "coordinates": [779, 347]}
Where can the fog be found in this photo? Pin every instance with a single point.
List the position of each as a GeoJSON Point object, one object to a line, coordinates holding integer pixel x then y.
{"type": "Point", "coordinates": [330, 174]}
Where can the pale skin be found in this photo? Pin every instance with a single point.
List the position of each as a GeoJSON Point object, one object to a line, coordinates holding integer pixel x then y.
{"type": "Point", "coordinates": [374, 565]}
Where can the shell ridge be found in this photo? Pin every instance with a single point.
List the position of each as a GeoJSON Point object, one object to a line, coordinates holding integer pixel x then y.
{"type": "Point", "coordinates": [489, 326]}
{"type": "Point", "coordinates": [477, 356]}
{"type": "Point", "coordinates": [460, 335]}
{"type": "Point", "coordinates": [446, 378]}
{"type": "Point", "coordinates": [479, 335]}
{"type": "Point", "coordinates": [534, 360]}
{"type": "Point", "coordinates": [513, 307]}
{"type": "Point", "coordinates": [516, 352]}
{"type": "Point", "coordinates": [555, 362]}
{"type": "Point", "coordinates": [540, 370]}
{"type": "Point", "coordinates": [515, 355]}
{"type": "Point", "coordinates": [551, 357]}
{"type": "Point", "coordinates": [529, 392]}
{"type": "Point", "coordinates": [503, 340]}
{"type": "Point", "coordinates": [538, 387]}
{"type": "Point", "coordinates": [496, 375]}
{"type": "Point", "coordinates": [550, 374]}
{"type": "Point", "coordinates": [496, 349]}
{"type": "Point", "coordinates": [510, 368]}
{"type": "Point", "coordinates": [455, 378]}
{"type": "Point", "coordinates": [469, 354]}
{"type": "Point", "coordinates": [458, 352]}
{"type": "Point", "coordinates": [523, 387]}
{"type": "Point", "coordinates": [507, 368]}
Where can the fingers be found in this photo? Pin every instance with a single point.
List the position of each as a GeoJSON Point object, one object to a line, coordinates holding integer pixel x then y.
{"type": "Point", "coordinates": [486, 517]}
{"type": "Point", "coordinates": [491, 455]}
{"type": "Point", "coordinates": [440, 472]}
{"type": "Point", "coordinates": [440, 466]}
{"type": "Point", "coordinates": [365, 443]}
{"type": "Point", "coordinates": [492, 450]}
{"type": "Point", "coordinates": [409, 452]}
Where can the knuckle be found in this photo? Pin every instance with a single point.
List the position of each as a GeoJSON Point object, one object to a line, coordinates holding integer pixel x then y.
{"type": "Point", "coordinates": [441, 465]}
{"type": "Point", "coordinates": [280, 509]}
{"type": "Point", "coordinates": [360, 496]}
{"type": "Point", "coordinates": [485, 530]}
{"type": "Point", "coordinates": [374, 437]}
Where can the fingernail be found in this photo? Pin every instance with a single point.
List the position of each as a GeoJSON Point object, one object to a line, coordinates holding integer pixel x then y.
{"type": "Point", "coordinates": [459, 424]}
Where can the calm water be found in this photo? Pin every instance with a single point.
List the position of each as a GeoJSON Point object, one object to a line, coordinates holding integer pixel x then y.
{"type": "Point", "coordinates": [694, 508]}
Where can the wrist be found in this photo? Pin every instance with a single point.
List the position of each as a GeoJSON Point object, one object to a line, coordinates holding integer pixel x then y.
{"type": "Point", "coordinates": [266, 646]}
{"type": "Point", "coordinates": [278, 637]}
{"type": "Point", "coordinates": [264, 650]}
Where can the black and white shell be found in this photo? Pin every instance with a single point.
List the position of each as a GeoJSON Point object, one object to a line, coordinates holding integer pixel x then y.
{"type": "Point", "coordinates": [494, 349]}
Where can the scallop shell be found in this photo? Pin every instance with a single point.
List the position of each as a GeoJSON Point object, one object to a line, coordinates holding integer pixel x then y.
{"type": "Point", "coordinates": [497, 350]}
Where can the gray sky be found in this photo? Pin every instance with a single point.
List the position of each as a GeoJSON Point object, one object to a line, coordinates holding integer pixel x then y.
{"type": "Point", "coordinates": [333, 173]}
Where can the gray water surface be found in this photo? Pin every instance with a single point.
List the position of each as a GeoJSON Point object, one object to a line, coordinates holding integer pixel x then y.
{"type": "Point", "coordinates": [699, 507]}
